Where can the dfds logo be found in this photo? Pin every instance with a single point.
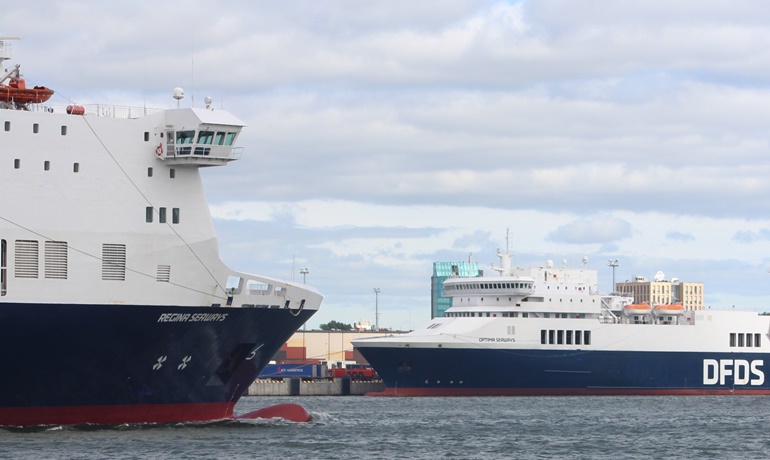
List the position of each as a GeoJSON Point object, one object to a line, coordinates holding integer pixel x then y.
{"type": "Point", "coordinates": [743, 372]}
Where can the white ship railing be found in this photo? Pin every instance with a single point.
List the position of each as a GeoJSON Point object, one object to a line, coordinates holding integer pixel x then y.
{"type": "Point", "coordinates": [99, 110]}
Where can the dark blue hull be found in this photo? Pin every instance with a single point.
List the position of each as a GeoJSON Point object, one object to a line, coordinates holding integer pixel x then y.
{"type": "Point", "coordinates": [448, 371]}
{"type": "Point", "coordinates": [118, 364]}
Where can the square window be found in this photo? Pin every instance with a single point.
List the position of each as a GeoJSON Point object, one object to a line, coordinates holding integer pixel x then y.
{"type": "Point", "coordinates": [162, 215]}
{"type": "Point", "coordinates": [64, 130]}
{"type": "Point", "coordinates": [175, 215]}
{"type": "Point", "coordinates": [148, 214]}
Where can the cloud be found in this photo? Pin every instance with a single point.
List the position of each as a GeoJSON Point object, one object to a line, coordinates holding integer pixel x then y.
{"type": "Point", "coordinates": [749, 236]}
{"type": "Point", "coordinates": [679, 236]}
{"type": "Point", "coordinates": [601, 229]}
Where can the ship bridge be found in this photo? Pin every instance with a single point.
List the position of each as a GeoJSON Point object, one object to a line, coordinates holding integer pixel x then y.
{"type": "Point", "coordinates": [199, 137]}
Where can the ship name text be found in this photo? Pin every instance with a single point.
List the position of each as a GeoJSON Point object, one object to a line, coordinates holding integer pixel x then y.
{"type": "Point", "coordinates": [743, 372]}
{"type": "Point", "coordinates": [191, 317]}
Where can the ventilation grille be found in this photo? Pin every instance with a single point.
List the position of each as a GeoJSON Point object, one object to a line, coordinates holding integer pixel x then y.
{"type": "Point", "coordinates": [164, 274]}
{"type": "Point", "coordinates": [56, 260]}
{"type": "Point", "coordinates": [114, 262]}
{"type": "Point", "coordinates": [26, 259]}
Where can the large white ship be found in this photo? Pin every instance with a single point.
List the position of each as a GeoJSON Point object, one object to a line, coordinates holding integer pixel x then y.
{"type": "Point", "coordinates": [549, 331]}
{"type": "Point", "coordinates": [114, 304]}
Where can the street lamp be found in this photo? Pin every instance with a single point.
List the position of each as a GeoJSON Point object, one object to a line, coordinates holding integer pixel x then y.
{"type": "Point", "coordinates": [613, 263]}
{"type": "Point", "coordinates": [304, 271]}
{"type": "Point", "coordinates": [377, 309]}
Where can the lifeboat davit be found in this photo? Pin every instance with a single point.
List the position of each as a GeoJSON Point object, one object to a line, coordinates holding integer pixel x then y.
{"type": "Point", "coordinates": [17, 92]}
{"type": "Point", "coordinates": [637, 309]}
{"type": "Point", "coordinates": [669, 309]}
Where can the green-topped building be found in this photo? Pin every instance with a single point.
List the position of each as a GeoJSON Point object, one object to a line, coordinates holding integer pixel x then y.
{"type": "Point", "coordinates": [441, 271]}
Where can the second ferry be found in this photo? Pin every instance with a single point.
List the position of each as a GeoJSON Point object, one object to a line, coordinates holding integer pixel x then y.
{"type": "Point", "coordinates": [549, 331]}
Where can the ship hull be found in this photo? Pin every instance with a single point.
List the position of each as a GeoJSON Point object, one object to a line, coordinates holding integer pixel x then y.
{"type": "Point", "coordinates": [524, 372]}
{"type": "Point", "coordinates": [67, 364]}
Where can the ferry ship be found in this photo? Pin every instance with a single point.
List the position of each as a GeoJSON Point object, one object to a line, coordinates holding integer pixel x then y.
{"type": "Point", "coordinates": [114, 304]}
{"type": "Point", "coordinates": [549, 331]}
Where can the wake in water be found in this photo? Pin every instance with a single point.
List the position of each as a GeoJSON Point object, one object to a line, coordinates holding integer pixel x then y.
{"type": "Point", "coordinates": [315, 418]}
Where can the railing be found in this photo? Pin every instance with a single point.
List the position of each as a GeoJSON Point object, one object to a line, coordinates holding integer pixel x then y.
{"type": "Point", "coordinates": [99, 110]}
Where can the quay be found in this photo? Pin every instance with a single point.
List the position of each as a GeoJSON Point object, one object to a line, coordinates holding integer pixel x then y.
{"type": "Point", "coordinates": [296, 386]}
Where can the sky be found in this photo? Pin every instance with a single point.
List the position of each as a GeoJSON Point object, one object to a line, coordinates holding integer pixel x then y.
{"type": "Point", "coordinates": [385, 136]}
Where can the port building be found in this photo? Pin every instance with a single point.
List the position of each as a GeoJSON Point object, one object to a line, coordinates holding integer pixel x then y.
{"type": "Point", "coordinates": [661, 291]}
{"type": "Point", "coordinates": [441, 271]}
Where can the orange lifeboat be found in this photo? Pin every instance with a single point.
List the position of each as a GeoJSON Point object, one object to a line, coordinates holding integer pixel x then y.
{"type": "Point", "coordinates": [17, 92]}
{"type": "Point", "coordinates": [669, 309]}
{"type": "Point", "coordinates": [638, 309]}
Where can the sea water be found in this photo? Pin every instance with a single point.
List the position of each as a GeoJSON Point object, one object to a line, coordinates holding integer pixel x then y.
{"type": "Point", "coordinates": [352, 427]}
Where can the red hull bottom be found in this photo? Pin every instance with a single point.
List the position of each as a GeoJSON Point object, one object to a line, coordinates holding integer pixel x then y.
{"type": "Point", "coordinates": [567, 392]}
{"type": "Point", "coordinates": [112, 415]}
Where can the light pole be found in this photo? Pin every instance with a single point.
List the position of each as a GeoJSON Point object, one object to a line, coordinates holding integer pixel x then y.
{"type": "Point", "coordinates": [613, 263]}
{"type": "Point", "coordinates": [377, 309]}
{"type": "Point", "coordinates": [304, 271]}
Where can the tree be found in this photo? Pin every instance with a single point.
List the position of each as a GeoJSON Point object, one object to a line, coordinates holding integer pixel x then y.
{"type": "Point", "coordinates": [336, 326]}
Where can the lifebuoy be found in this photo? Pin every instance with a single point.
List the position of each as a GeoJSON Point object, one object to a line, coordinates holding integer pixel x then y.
{"type": "Point", "coordinates": [159, 150]}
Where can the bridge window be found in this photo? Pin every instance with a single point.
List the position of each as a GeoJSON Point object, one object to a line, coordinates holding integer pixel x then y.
{"type": "Point", "coordinates": [185, 137]}
{"type": "Point", "coordinates": [206, 137]}
{"type": "Point", "coordinates": [229, 138]}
